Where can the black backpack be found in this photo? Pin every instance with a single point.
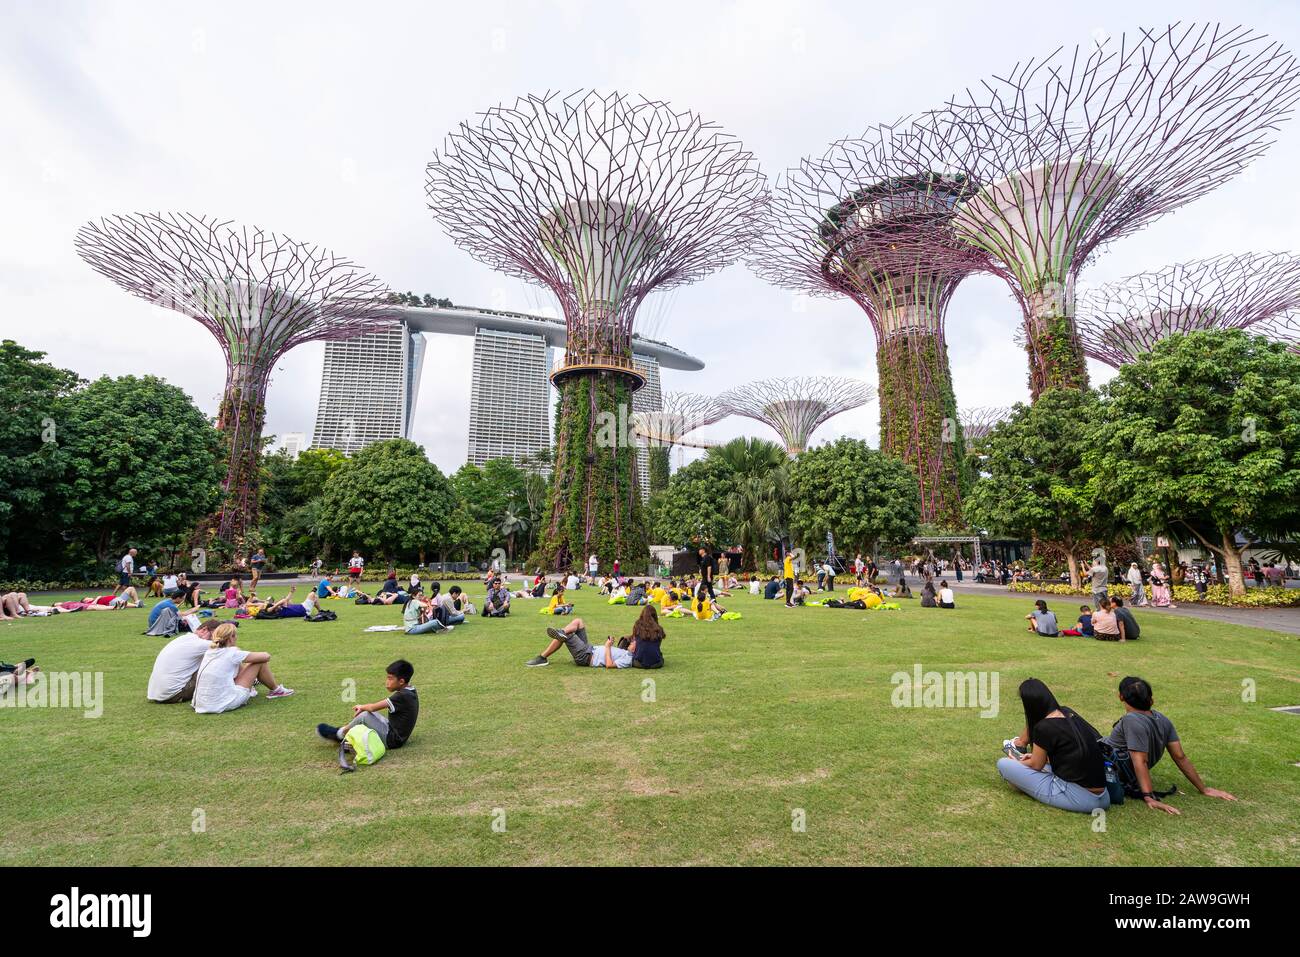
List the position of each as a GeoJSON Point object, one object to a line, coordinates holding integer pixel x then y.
{"type": "Point", "coordinates": [1122, 762]}
{"type": "Point", "coordinates": [322, 614]}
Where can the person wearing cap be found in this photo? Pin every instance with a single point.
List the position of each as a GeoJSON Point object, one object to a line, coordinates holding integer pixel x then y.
{"type": "Point", "coordinates": [174, 670]}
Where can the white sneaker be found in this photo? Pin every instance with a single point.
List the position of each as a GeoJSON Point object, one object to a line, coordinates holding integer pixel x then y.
{"type": "Point", "coordinates": [280, 692]}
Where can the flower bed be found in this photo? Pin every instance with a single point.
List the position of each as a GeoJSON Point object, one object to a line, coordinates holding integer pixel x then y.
{"type": "Point", "coordinates": [1182, 594]}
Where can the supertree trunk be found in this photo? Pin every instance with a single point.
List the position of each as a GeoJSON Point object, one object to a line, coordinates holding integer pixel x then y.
{"type": "Point", "coordinates": [595, 502]}
{"type": "Point", "coordinates": [918, 421]}
{"type": "Point", "coordinates": [1056, 357]}
{"type": "Point", "coordinates": [240, 420]}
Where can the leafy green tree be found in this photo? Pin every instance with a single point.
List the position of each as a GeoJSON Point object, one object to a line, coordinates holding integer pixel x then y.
{"type": "Point", "coordinates": [143, 462]}
{"type": "Point", "coordinates": [856, 493]}
{"type": "Point", "coordinates": [1201, 436]}
{"type": "Point", "coordinates": [490, 491]}
{"type": "Point", "coordinates": [756, 499]}
{"type": "Point", "coordinates": [32, 461]}
{"type": "Point", "coordinates": [688, 509]}
{"type": "Point", "coordinates": [390, 499]}
{"type": "Point", "coordinates": [660, 467]}
{"type": "Point", "coordinates": [1034, 483]}
{"type": "Point", "coordinates": [312, 470]}
{"type": "Point", "coordinates": [466, 535]}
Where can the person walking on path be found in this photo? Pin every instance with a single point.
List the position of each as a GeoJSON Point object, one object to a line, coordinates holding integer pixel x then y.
{"type": "Point", "coordinates": [1134, 577]}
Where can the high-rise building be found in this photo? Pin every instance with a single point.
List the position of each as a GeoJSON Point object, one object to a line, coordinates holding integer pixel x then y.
{"type": "Point", "coordinates": [294, 443]}
{"type": "Point", "coordinates": [370, 383]}
{"type": "Point", "coordinates": [510, 396]}
{"type": "Point", "coordinates": [368, 388]}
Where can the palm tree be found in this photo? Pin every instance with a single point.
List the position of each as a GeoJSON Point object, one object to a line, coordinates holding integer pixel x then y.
{"type": "Point", "coordinates": [509, 524]}
{"type": "Point", "coordinates": [756, 499]}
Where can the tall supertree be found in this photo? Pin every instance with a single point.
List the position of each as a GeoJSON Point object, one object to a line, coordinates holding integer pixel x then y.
{"type": "Point", "coordinates": [1122, 320]}
{"type": "Point", "coordinates": [794, 408]}
{"type": "Point", "coordinates": [682, 413]}
{"type": "Point", "coordinates": [1086, 146]}
{"type": "Point", "coordinates": [258, 293]}
{"type": "Point", "coordinates": [602, 199]}
{"type": "Point", "coordinates": [977, 423]}
{"type": "Point", "coordinates": [863, 221]}
{"type": "Point", "coordinates": [1284, 328]}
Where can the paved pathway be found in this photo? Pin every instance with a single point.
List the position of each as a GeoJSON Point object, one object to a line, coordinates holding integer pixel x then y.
{"type": "Point", "coordinates": [1276, 619]}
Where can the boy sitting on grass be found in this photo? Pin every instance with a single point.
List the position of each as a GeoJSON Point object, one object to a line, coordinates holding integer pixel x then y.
{"type": "Point", "coordinates": [1083, 627]}
{"type": "Point", "coordinates": [402, 705]}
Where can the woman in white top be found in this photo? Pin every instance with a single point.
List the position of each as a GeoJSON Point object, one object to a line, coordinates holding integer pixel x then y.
{"type": "Point", "coordinates": [227, 675]}
{"type": "Point", "coordinates": [946, 598]}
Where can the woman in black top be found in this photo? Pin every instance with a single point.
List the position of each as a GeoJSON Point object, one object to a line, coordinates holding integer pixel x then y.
{"type": "Point", "coordinates": [928, 596]}
{"type": "Point", "coordinates": [1056, 759]}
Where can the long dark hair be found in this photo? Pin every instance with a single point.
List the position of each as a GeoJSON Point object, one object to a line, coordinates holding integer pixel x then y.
{"type": "Point", "coordinates": [1039, 702]}
{"type": "Point", "coordinates": [647, 627]}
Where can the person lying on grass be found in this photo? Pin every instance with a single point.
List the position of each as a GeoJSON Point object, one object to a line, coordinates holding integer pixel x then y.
{"type": "Point", "coordinates": [177, 665]}
{"type": "Point", "coordinates": [574, 637]}
{"type": "Point", "coordinates": [286, 608]}
{"type": "Point", "coordinates": [1056, 759]}
{"type": "Point", "coordinates": [127, 599]}
{"type": "Point", "coordinates": [23, 673]}
{"type": "Point", "coordinates": [227, 674]}
{"type": "Point", "coordinates": [402, 705]}
{"type": "Point", "coordinates": [1043, 622]}
{"type": "Point", "coordinates": [1146, 735]}
{"type": "Point", "coordinates": [14, 605]}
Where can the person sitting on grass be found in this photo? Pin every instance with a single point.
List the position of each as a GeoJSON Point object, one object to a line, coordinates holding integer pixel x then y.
{"type": "Point", "coordinates": [227, 674]}
{"type": "Point", "coordinates": [558, 605]}
{"type": "Point", "coordinates": [706, 610]}
{"type": "Point", "coordinates": [647, 636]}
{"type": "Point", "coordinates": [946, 597]}
{"type": "Point", "coordinates": [928, 595]}
{"type": "Point", "coordinates": [1146, 735]}
{"type": "Point", "coordinates": [1105, 626]}
{"type": "Point", "coordinates": [636, 594]}
{"type": "Point", "coordinates": [497, 602]}
{"type": "Point", "coordinates": [574, 637]}
{"type": "Point", "coordinates": [902, 589]}
{"type": "Point", "coordinates": [1056, 759]}
{"type": "Point", "coordinates": [455, 605]}
{"type": "Point", "coordinates": [1132, 631]}
{"type": "Point", "coordinates": [1083, 627]}
{"type": "Point", "coordinates": [772, 588]}
{"type": "Point", "coordinates": [402, 705]}
{"type": "Point", "coordinates": [325, 590]}
{"type": "Point", "coordinates": [424, 616]}
{"type": "Point", "coordinates": [177, 666]}
{"type": "Point", "coordinates": [801, 592]}
{"type": "Point", "coordinates": [1043, 622]}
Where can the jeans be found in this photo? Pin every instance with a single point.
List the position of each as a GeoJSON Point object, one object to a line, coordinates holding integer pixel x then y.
{"type": "Point", "coordinates": [1047, 787]}
{"type": "Point", "coordinates": [430, 626]}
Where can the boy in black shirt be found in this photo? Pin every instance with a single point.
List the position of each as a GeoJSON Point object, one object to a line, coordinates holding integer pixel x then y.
{"type": "Point", "coordinates": [402, 705]}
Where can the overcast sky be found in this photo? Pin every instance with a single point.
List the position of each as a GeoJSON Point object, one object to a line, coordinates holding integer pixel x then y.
{"type": "Point", "coordinates": [317, 119]}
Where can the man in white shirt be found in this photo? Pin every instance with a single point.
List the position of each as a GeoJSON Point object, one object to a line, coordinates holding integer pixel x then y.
{"type": "Point", "coordinates": [593, 566]}
{"type": "Point", "coordinates": [572, 583]}
{"type": "Point", "coordinates": [125, 569]}
{"type": "Point", "coordinates": [174, 671]}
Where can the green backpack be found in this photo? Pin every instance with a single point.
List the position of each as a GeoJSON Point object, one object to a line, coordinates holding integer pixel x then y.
{"type": "Point", "coordinates": [361, 745]}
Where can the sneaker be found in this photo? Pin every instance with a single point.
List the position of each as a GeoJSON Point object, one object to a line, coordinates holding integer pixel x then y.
{"type": "Point", "coordinates": [328, 732]}
{"type": "Point", "coordinates": [555, 635]}
{"type": "Point", "coordinates": [1010, 745]}
{"type": "Point", "coordinates": [450, 628]}
{"type": "Point", "coordinates": [252, 692]}
{"type": "Point", "coordinates": [280, 692]}
{"type": "Point", "coordinates": [538, 662]}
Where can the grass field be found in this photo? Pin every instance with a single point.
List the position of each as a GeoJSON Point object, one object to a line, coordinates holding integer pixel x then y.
{"type": "Point", "coordinates": [751, 722]}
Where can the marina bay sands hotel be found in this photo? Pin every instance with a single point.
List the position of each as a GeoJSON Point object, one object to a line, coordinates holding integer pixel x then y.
{"type": "Point", "coordinates": [370, 383]}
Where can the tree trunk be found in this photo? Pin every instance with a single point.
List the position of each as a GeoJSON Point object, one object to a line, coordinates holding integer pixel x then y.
{"type": "Point", "coordinates": [1056, 359]}
{"type": "Point", "coordinates": [1232, 563]}
{"type": "Point", "coordinates": [1076, 580]}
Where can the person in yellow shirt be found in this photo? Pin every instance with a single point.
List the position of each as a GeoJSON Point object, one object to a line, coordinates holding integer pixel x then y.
{"type": "Point", "coordinates": [787, 572]}
{"type": "Point", "coordinates": [704, 609]}
{"type": "Point", "coordinates": [558, 606]}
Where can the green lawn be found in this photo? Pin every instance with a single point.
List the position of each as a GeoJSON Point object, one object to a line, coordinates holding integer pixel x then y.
{"type": "Point", "coordinates": [751, 721]}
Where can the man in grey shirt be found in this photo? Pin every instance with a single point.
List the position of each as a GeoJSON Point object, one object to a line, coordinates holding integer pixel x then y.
{"type": "Point", "coordinates": [1100, 574]}
{"type": "Point", "coordinates": [1131, 629]}
{"type": "Point", "coordinates": [1147, 734]}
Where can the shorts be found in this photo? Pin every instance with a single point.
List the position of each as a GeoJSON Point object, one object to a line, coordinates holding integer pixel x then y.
{"type": "Point", "coordinates": [579, 647]}
{"type": "Point", "coordinates": [185, 694]}
{"type": "Point", "coordinates": [124, 579]}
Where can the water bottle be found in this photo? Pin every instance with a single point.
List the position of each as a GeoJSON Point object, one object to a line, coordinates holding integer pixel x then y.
{"type": "Point", "coordinates": [1113, 786]}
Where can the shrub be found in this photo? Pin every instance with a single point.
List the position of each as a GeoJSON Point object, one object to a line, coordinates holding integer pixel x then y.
{"type": "Point", "coordinates": [1182, 594]}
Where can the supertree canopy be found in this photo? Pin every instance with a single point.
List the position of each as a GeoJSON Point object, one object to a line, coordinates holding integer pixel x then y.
{"type": "Point", "coordinates": [1122, 320]}
{"type": "Point", "coordinates": [260, 294]}
{"type": "Point", "coordinates": [864, 221]}
{"type": "Point", "coordinates": [1284, 328]}
{"type": "Point", "coordinates": [794, 408]}
{"type": "Point", "coordinates": [603, 199]}
{"type": "Point", "coordinates": [1089, 145]}
{"type": "Point", "coordinates": [977, 423]}
{"type": "Point", "coordinates": [682, 413]}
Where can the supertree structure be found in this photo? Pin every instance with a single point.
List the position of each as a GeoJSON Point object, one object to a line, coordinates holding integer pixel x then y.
{"type": "Point", "coordinates": [795, 407]}
{"type": "Point", "coordinates": [865, 222]}
{"type": "Point", "coordinates": [682, 413]}
{"type": "Point", "coordinates": [258, 293]}
{"type": "Point", "coordinates": [1087, 146]}
{"type": "Point", "coordinates": [1284, 328]}
{"type": "Point", "coordinates": [602, 199]}
{"type": "Point", "coordinates": [977, 423]}
{"type": "Point", "coordinates": [1122, 320]}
